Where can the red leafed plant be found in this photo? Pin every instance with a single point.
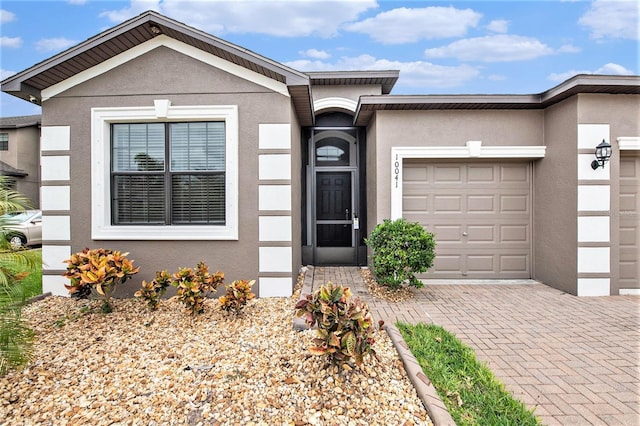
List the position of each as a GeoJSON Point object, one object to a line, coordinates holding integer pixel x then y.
{"type": "Point", "coordinates": [345, 327]}
{"type": "Point", "coordinates": [97, 272]}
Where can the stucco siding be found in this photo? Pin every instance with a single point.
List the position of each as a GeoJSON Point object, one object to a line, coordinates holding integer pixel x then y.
{"type": "Point", "coordinates": [449, 129]}
{"type": "Point", "coordinates": [555, 200]}
{"type": "Point", "coordinates": [166, 74]}
{"type": "Point", "coordinates": [24, 154]}
{"type": "Point", "coordinates": [622, 114]}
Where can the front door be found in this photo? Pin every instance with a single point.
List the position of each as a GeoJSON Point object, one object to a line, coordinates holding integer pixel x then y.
{"type": "Point", "coordinates": [334, 209]}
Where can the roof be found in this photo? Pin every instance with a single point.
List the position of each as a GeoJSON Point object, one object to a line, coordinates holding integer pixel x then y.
{"type": "Point", "coordinates": [7, 170]}
{"type": "Point", "coordinates": [582, 83]}
{"type": "Point", "coordinates": [387, 79]}
{"type": "Point", "coordinates": [29, 83]}
{"type": "Point", "coordinates": [18, 122]}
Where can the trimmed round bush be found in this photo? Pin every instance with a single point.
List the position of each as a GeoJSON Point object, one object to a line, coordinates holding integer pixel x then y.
{"type": "Point", "coordinates": [400, 250]}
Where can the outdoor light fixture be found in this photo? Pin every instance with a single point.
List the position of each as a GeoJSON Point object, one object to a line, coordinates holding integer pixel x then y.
{"type": "Point", "coordinates": [603, 153]}
{"type": "Point", "coordinates": [156, 30]}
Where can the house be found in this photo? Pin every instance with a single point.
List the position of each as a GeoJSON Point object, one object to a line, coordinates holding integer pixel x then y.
{"type": "Point", "coordinates": [176, 146]}
{"type": "Point", "coordinates": [20, 154]}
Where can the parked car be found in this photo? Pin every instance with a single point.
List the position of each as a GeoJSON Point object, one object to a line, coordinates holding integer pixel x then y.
{"type": "Point", "coordinates": [23, 229]}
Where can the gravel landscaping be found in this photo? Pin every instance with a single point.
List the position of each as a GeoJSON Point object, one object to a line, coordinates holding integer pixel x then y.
{"type": "Point", "coordinates": [138, 367]}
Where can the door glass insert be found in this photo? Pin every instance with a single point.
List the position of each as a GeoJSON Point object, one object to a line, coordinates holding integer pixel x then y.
{"type": "Point", "coordinates": [332, 152]}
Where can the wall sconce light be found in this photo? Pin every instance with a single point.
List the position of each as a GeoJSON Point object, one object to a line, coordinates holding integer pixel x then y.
{"type": "Point", "coordinates": [603, 153]}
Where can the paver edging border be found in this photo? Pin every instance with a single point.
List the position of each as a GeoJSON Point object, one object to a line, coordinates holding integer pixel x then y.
{"type": "Point", "coordinates": [424, 388]}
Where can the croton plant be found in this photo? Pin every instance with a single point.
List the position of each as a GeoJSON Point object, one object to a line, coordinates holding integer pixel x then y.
{"type": "Point", "coordinates": [97, 272]}
{"type": "Point", "coordinates": [344, 326]}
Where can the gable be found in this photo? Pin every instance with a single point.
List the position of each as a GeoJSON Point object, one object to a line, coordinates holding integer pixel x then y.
{"type": "Point", "coordinates": [158, 64]}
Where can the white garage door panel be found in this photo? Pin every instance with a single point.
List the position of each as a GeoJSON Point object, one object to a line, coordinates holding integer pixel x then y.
{"type": "Point", "coordinates": [480, 214]}
{"type": "Point", "coordinates": [629, 222]}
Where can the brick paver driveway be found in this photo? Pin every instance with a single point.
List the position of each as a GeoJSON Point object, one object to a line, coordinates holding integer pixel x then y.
{"type": "Point", "coordinates": [576, 360]}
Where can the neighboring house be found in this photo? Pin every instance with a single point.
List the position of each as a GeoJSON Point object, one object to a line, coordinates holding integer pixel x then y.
{"type": "Point", "coordinates": [20, 154]}
{"type": "Point", "coordinates": [177, 146]}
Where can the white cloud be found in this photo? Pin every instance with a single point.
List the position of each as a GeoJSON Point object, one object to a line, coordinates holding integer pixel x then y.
{"type": "Point", "coordinates": [569, 48]}
{"type": "Point", "coordinates": [284, 18]}
{"type": "Point", "coordinates": [613, 19]}
{"type": "Point", "coordinates": [5, 73]}
{"type": "Point", "coordinates": [13, 42]}
{"type": "Point", "coordinates": [6, 16]}
{"type": "Point", "coordinates": [405, 25]}
{"type": "Point", "coordinates": [77, 2]}
{"type": "Point", "coordinates": [418, 75]}
{"type": "Point", "coordinates": [498, 26]}
{"type": "Point", "coordinates": [315, 53]}
{"type": "Point", "coordinates": [606, 69]}
{"type": "Point", "coordinates": [53, 44]}
{"type": "Point", "coordinates": [136, 7]}
{"type": "Point", "coordinates": [497, 48]}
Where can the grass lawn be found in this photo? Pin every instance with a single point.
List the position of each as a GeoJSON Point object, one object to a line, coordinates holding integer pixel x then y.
{"type": "Point", "coordinates": [471, 393]}
{"type": "Point", "coordinates": [33, 283]}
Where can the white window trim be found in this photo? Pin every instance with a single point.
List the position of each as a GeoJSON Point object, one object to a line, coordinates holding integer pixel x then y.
{"type": "Point", "coordinates": [629, 143]}
{"type": "Point", "coordinates": [162, 111]}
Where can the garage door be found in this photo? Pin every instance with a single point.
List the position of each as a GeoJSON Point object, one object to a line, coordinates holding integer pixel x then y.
{"type": "Point", "coordinates": [479, 212]}
{"type": "Point", "coordinates": [629, 222]}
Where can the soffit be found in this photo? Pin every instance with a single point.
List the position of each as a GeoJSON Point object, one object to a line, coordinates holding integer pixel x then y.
{"type": "Point", "coordinates": [386, 79]}
{"type": "Point", "coordinates": [368, 105]}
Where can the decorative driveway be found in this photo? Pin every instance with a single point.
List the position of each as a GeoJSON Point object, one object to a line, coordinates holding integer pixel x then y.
{"type": "Point", "coordinates": [576, 360]}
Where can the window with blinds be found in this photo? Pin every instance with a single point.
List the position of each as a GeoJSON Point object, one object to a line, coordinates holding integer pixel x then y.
{"type": "Point", "coordinates": [4, 141]}
{"type": "Point", "coordinates": [168, 173]}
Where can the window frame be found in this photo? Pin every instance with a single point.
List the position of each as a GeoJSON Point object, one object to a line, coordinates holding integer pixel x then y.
{"type": "Point", "coordinates": [162, 111]}
{"type": "Point", "coordinates": [4, 141]}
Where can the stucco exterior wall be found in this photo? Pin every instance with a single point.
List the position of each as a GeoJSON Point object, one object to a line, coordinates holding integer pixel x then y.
{"type": "Point", "coordinates": [372, 170]}
{"type": "Point", "coordinates": [296, 194]}
{"type": "Point", "coordinates": [449, 128]}
{"type": "Point", "coordinates": [555, 200]}
{"type": "Point", "coordinates": [167, 74]}
{"type": "Point", "coordinates": [24, 154]}
{"type": "Point", "coordinates": [622, 114]}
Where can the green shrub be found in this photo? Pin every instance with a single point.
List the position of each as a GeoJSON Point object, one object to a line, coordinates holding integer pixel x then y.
{"type": "Point", "coordinates": [152, 291]}
{"type": "Point", "coordinates": [238, 293]}
{"type": "Point", "coordinates": [345, 328]}
{"type": "Point", "coordinates": [400, 250]}
{"type": "Point", "coordinates": [194, 286]}
{"type": "Point", "coordinates": [97, 272]}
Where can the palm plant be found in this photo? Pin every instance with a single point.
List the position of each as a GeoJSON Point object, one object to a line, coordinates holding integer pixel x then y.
{"type": "Point", "coordinates": [15, 335]}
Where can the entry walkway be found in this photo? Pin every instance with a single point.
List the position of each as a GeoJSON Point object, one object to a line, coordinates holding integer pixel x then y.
{"type": "Point", "coordinates": [575, 360]}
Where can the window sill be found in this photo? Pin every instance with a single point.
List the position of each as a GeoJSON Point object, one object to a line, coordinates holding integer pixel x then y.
{"type": "Point", "coordinates": [174, 233]}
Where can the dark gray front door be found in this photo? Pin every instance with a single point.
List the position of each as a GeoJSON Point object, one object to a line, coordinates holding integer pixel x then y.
{"type": "Point", "coordinates": [333, 209]}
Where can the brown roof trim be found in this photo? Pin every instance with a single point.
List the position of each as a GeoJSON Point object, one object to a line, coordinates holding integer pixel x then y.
{"type": "Point", "coordinates": [581, 83]}
{"type": "Point", "coordinates": [135, 31]}
{"type": "Point", "coordinates": [387, 79]}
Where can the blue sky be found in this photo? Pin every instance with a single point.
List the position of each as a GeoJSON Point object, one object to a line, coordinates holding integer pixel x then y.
{"type": "Point", "coordinates": [468, 47]}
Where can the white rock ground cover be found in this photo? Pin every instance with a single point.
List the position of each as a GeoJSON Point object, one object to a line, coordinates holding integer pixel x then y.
{"type": "Point", "coordinates": [136, 367]}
